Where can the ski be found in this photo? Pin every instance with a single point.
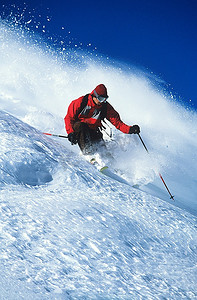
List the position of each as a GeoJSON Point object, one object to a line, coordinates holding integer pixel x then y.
{"type": "Point", "coordinates": [107, 172]}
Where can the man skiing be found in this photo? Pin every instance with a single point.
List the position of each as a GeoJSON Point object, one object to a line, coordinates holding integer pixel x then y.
{"type": "Point", "coordinates": [84, 116]}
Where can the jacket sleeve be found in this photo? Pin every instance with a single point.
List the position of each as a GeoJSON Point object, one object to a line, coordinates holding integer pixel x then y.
{"type": "Point", "coordinates": [72, 114]}
{"type": "Point", "coordinates": [114, 117]}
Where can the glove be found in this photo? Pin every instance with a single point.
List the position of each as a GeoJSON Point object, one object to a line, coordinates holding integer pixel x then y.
{"type": "Point", "coordinates": [134, 129]}
{"type": "Point", "coordinates": [72, 138]}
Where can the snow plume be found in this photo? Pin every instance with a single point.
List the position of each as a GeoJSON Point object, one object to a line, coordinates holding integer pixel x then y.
{"type": "Point", "coordinates": [37, 85]}
{"type": "Point", "coordinates": [67, 231]}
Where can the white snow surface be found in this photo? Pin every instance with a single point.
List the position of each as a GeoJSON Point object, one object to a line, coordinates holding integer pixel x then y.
{"type": "Point", "coordinates": [66, 230]}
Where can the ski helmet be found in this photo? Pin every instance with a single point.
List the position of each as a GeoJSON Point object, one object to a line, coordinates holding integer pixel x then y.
{"type": "Point", "coordinates": [100, 92]}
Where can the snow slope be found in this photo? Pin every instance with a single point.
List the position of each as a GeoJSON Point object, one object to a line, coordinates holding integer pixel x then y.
{"type": "Point", "coordinates": [69, 232]}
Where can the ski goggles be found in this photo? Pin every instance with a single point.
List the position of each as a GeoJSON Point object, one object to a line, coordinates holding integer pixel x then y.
{"type": "Point", "coordinates": [100, 98]}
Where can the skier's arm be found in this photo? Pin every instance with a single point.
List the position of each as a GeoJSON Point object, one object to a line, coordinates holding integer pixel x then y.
{"type": "Point", "coordinates": [114, 117]}
{"type": "Point", "coordinates": [71, 116]}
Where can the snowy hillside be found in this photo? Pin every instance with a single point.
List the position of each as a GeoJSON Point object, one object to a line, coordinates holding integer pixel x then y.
{"type": "Point", "coordinates": [66, 230]}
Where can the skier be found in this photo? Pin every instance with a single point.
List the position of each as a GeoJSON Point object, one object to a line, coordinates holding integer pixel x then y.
{"type": "Point", "coordinates": [84, 116]}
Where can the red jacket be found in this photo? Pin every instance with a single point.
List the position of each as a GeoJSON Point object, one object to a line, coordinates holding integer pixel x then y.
{"type": "Point", "coordinates": [91, 115]}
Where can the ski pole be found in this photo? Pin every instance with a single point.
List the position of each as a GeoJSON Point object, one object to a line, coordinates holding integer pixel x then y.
{"type": "Point", "coordinates": [58, 135]}
{"type": "Point", "coordinates": [171, 197]}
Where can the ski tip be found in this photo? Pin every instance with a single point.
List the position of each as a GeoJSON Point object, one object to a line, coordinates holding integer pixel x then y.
{"type": "Point", "coordinates": [136, 186]}
{"type": "Point", "coordinates": [103, 169]}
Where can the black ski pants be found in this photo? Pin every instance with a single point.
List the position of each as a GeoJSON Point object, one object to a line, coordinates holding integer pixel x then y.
{"type": "Point", "coordinates": [87, 137]}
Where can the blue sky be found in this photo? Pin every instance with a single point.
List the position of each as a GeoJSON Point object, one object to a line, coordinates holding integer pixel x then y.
{"type": "Point", "coordinates": [157, 35]}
